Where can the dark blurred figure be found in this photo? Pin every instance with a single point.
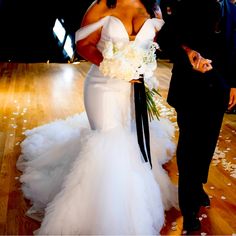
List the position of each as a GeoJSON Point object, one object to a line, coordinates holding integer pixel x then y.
{"type": "Point", "coordinates": [167, 8]}
{"type": "Point", "coordinates": [233, 110]}
{"type": "Point", "coordinates": [200, 39]}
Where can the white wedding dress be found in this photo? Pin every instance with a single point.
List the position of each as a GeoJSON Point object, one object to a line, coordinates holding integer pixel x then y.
{"type": "Point", "coordinates": [86, 173]}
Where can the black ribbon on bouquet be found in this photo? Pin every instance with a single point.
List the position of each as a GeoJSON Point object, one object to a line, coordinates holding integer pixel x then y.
{"type": "Point", "coordinates": [141, 116]}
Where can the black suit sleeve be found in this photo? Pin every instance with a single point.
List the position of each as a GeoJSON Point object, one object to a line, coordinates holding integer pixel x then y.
{"type": "Point", "coordinates": [231, 41]}
{"type": "Point", "coordinates": [180, 29]}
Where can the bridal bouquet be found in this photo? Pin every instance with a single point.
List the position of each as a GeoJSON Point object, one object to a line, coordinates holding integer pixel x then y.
{"type": "Point", "coordinates": [127, 61]}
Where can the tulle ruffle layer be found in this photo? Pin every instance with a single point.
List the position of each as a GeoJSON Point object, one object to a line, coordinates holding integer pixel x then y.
{"type": "Point", "coordinates": [95, 182]}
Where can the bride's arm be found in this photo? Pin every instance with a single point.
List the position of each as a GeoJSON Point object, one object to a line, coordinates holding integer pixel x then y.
{"type": "Point", "coordinates": [87, 47]}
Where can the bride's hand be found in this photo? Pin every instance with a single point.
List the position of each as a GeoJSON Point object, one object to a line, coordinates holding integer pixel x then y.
{"type": "Point", "coordinates": [135, 81]}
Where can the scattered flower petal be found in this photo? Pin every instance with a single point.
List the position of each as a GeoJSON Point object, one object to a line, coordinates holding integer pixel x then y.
{"type": "Point", "coordinates": [233, 173]}
{"type": "Point", "coordinates": [215, 162]}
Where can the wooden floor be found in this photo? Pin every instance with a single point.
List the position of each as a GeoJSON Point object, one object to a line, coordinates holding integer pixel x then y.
{"type": "Point", "coordinates": [34, 94]}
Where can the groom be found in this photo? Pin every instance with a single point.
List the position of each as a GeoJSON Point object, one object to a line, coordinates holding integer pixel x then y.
{"type": "Point", "coordinates": [200, 39]}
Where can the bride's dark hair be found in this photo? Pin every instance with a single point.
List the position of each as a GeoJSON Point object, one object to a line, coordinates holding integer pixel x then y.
{"type": "Point", "coordinates": [150, 5]}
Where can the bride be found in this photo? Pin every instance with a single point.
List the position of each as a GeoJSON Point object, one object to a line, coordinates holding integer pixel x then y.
{"type": "Point", "coordinates": [86, 174]}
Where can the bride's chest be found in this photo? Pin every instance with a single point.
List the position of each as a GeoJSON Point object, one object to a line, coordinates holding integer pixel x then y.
{"type": "Point", "coordinates": [133, 25]}
{"type": "Point", "coordinates": [130, 29]}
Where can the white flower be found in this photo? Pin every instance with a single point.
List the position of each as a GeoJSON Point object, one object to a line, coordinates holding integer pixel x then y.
{"type": "Point", "coordinates": [151, 82]}
{"type": "Point", "coordinates": [126, 61]}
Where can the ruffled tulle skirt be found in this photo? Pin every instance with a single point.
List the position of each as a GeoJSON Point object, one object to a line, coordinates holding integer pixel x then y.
{"type": "Point", "coordinates": [87, 182]}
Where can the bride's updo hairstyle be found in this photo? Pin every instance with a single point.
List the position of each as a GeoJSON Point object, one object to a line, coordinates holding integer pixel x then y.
{"type": "Point", "coordinates": [150, 5]}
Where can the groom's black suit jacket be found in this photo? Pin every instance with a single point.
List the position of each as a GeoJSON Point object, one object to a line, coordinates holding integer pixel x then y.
{"type": "Point", "coordinates": [209, 28]}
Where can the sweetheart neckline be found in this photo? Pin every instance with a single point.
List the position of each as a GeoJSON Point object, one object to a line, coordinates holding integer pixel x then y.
{"type": "Point", "coordinates": [140, 29]}
{"type": "Point", "coordinates": [122, 24]}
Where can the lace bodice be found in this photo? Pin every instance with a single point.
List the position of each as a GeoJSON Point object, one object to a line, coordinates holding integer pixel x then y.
{"type": "Point", "coordinates": [114, 30]}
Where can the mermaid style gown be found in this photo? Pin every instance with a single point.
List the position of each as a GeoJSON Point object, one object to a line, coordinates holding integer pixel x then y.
{"type": "Point", "coordinates": [86, 173]}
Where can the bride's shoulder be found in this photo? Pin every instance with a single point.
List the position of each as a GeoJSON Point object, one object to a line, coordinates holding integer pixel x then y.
{"type": "Point", "coordinates": [95, 12]}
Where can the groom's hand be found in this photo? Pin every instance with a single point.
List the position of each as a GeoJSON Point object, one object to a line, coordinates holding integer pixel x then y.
{"type": "Point", "coordinates": [198, 62]}
{"type": "Point", "coordinates": [202, 65]}
{"type": "Point", "coordinates": [232, 100]}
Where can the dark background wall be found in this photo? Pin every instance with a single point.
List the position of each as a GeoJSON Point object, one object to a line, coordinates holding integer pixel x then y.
{"type": "Point", "coordinates": [26, 28]}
